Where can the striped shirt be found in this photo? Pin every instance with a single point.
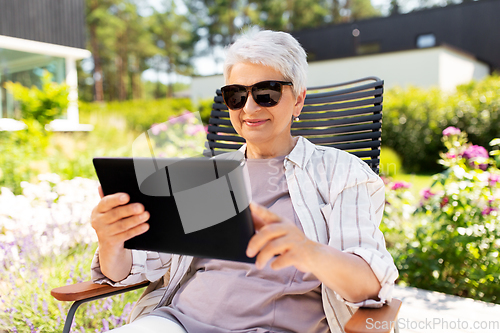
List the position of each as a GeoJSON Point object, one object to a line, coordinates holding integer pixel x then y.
{"type": "Point", "coordinates": [338, 200]}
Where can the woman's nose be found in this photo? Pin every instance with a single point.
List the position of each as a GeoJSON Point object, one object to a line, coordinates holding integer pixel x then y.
{"type": "Point", "coordinates": [251, 106]}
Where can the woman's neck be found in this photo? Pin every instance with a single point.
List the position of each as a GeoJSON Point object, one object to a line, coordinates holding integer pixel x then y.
{"type": "Point", "coordinates": [265, 151]}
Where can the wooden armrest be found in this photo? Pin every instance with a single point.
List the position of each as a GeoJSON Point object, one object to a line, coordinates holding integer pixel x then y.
{"type": "Point", "coordinates": [371, 320]}
{"type": "Point", "coordinates": [88, 289]}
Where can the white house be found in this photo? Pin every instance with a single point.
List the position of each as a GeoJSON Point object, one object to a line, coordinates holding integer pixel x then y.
{"type": "Point", "coordinates": [442, 66]}
{"type": "Point", "coordinates": [37, 36]}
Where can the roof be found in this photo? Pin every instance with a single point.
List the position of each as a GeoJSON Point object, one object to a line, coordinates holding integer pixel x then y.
{"type": "Point", "coordinates": [60, 22]}
{"type": "Point", "coordinates": [470, 26]}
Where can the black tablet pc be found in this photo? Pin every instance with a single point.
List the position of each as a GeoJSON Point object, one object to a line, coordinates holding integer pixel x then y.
{"type": "Point", "coordinates": [197, 206]}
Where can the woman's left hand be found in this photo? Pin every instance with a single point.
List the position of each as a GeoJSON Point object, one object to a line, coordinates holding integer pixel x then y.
{"type": "Point", "coordinates": [278, 237]}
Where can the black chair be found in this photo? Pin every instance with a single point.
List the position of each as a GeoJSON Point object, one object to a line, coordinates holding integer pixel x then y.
{"type": "Point", "coordinates": [346, 116]}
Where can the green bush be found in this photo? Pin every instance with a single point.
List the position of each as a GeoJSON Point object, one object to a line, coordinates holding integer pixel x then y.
{"type": "Point", "coordinates": [414, 119]}
{"type": "Point", "coordinates": [42, 105]}
{"type": "Point", "coordinates": [25, 154]}
{"type": "Point", "coordinates": [390, 162]}
{"type": "Point", "coordinates": [139, 115]}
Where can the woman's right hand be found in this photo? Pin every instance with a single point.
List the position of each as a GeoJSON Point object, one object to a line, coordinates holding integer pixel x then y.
{"type": "Point", "coordinates": [114, 222]}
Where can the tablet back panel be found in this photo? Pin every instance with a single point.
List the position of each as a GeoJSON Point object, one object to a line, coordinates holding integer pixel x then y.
{"type": "Point", "coordinates": [167, 195]}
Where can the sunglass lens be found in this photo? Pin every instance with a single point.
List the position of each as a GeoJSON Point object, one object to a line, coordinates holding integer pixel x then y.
{"type": "Point", "coordinates": [267, 93]}
{"type": "Point", "coordinates": [235, 96]}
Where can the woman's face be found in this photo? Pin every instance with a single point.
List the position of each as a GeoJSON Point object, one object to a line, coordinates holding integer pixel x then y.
{"type": "Point", "coordinates": [264, 127]}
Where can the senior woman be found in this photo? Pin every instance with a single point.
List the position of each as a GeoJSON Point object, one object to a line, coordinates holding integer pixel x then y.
{"type": "Point", "coordinates": [316, 211]}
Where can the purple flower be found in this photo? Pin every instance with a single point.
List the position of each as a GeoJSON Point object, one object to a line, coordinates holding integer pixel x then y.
{"type": "Point", "coordinates": [488, 210]}
{"type": "Point", "coordinates": [45, 307]}
{"type": "Point", "coordinates": [451, 131]}
{"type": "Point", "coordinates": [426, 193]}
{"type": "Point", "coordinates": [32, 328]}
{"type": "Point", "coordinates": [475, 151]}
{"type": "Point", "coordinates": [105, 325]}
{"type": "Point", "coordinates": [398, 185]}
{"type": "Point", "coordinates": [478, 153]}
{"type": "Point", "coordinates": [108, 303]}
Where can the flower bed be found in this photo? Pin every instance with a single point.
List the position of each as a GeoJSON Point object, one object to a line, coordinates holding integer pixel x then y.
{"type": "Point", "coordinates": [46, 241]}
{"type": "Point", "coordinates": [449, 239]}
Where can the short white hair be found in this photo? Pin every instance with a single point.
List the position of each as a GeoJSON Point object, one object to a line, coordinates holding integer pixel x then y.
{"type": "Point", "coordinates": [276, 49]}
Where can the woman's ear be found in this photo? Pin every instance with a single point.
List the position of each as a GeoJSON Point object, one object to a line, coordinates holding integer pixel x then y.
{"type": "Point", "coordinates": [299, 103]}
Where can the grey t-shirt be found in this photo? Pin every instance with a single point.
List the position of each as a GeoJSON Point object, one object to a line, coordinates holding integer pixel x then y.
{"type": "Point", "coordinates": [225, 296]}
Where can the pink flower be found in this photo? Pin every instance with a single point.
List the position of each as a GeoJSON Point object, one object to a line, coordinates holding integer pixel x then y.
{"type": "Point", "coordinates": [488, 210]}
{"type": "Point", "coordinates": [185, 117]}
{"type": "Point", "coordinates": [427, 193]}
{"type": "Point", "coordinates": [450, 155]}
{"type": "Point", "coordinates": [163, 127]}
{"type": "Point", "coordinates": [444, 201]}
{"type": "Point", "coordinates": [398, 185]}
{"type": "Point", "coordinates": [175, 120]}
{"type": "Point", "coordinates": [494, 178]}
{"type": "Point", "coordinates": [155, 129]}
{"type": "Point", "coordinates": [474, 153]}
{"type": "Point", "coordinates": [451, 131]}
{"type": "Point", "coordinates": [193, 129]}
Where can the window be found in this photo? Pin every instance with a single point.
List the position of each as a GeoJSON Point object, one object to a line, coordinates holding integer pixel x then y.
{"type": "Point", "coordinates": [426, 40]}
{"type": "Point", "coordinates": [368, 48]}
{"type": "Point", "coordinates": [26, 68]}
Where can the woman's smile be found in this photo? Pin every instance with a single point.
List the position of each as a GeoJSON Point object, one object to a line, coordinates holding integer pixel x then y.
{"type": "Point", "coordinates": [255, 122]}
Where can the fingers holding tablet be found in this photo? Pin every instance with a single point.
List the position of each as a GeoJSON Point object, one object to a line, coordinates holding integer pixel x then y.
{"type": "Point", "coordinates": [115, 221]}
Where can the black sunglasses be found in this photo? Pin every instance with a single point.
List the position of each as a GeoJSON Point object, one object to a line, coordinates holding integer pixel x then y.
{"type": "Point", "coordinates": [265, 93]}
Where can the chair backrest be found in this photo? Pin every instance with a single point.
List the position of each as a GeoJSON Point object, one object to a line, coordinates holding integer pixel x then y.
{"type": "Point", "coordinates": [347, 116]}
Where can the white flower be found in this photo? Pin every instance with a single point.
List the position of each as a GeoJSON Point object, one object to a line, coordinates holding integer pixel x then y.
{"type": "Point", "coordinates": [53, 215]}
{"type": "Point", "coordinates": [458, 171]}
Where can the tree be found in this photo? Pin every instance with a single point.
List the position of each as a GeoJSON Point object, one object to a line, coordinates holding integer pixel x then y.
{"type": "Point", "coordinates": [133, 44]}
{"type": "Point", "coordinates": [291, 14]}
{"type": "Point", "coordinates": [394, 7]}
{"type": "Point", "coordinates": [174, 40]}
{"type": "Point", "coordinates": [221, 20]}
{"type": "Point", "coordinates": [361, 9]}
{"type": "Point", "coordinates": [97, 15]}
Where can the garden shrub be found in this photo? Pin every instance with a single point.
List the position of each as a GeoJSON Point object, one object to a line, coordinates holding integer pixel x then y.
{"type": "Point", "coordinates": [26, 153]}
{"type": "Point", "coordinates": [390, 162]}
{"type": "Point", "coordinates": [139, 115]}
{"type": "Point", "coordinates": [42, 105]}
{"type": "Point", "coordinates": [23, 153]}
{"type": "Point", "coordinates": [414, 119]}
{"type": "Point", "coordinates": [453, 241]}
